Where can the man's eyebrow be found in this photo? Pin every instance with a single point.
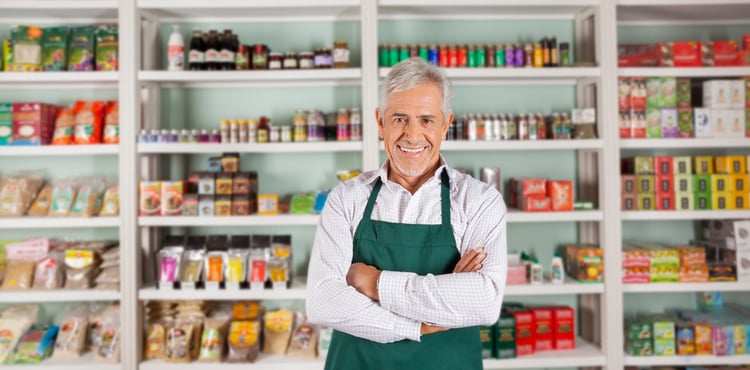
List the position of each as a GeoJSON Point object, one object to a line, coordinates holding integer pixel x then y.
{"type": "Point", "coordinates": [399, 114]}
{"type": "Point", "coordinates": [423, 116]}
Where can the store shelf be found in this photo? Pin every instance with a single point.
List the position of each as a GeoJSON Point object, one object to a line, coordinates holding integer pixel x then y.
{"type": "Point", "coordinates": [635, 12]}
{"type": "Point", "coordinates": [684, 72]}
{"type": "Point", "coordinates": [88, 361]}
{"type": "Point", "coordinates": [531, 9]}
{"type": "Point", "coordinates": [686, 287]}
{"type": "Point", "coordinates": [278, 10]}
{"type": "Point", "coordinates": [343, 76]}
{"type": "Point", "coordinates": [255, 220]}
{"type": "Point", "coordinates": [50, 10]}
{"type": "Point", "coordinates": [59, 150]}
{"type": "Point", "coordinates": [264, 362]}
{"type": "Point", "coordinates": [682, 215]}
{"type": "Point", "coordinates": [573, 216]}
{"type": "Point", "coordinates": [57, 222]}
{"type": "Point", "coordinates": [322, 147]}
{"type": "Point", "coordinates": [585, 355]}
{"type": "Point", "coordinates": [298, 291]}
{"type": "Point", "coordinates": [569, 287]}
{"type": "Point", "coordinates": [719, 143]}
{"type": "Point", "coordinates": [470, 146]}
{"type": "Point", "coordinates": [686, 360]}
{"type": "Point", "coordinates": [104, 79]}
{"type": "Point", "coordinates": [62, 295]}
{"type": "Point", "coordinates": [522, 75]}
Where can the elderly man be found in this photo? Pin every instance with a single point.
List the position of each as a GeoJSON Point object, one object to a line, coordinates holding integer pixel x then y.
{"type": "Point", "coordinates": [409, 259]}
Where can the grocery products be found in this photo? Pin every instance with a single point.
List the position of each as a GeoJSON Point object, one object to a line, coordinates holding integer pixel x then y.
{"type": "Point", "coordinates": [681, 54]}
{"type": "Point", "coordinates": [175, 50]}
{"type": "Point", "coordinates": [540, 195]}
{"type": "Point", "coordinates": [581, 124]}
{"type": "Point", "coordinates": [523, 330]}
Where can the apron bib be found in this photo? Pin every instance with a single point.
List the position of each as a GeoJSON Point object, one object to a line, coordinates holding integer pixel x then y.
{"type": "Point", "coordinates": [422, 249]}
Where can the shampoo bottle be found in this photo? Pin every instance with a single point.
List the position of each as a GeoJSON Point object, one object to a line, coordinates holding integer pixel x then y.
{"type": "Point", "coordinates": [536, 272]}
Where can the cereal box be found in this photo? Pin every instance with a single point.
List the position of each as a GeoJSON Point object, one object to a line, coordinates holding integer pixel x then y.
{"type": "Point", "coordinates": [653, 92]}
{"type": "Point", "coordinates": [668, 93]}
{"type": "Point", "coordinates": [685, 123]}
{"type": "Point", "coordinates": [685, 339]}
{"type": "Point", "coordinates": [723, 340]}
{"type": "Point", "coordinates": [703, 339]}
{"type": "Point", "coordinates": [669, 123]}
{"type": "Point", "coordinates": [653, 124]}
{"type": "Point", "coordinates": [624, 93]}
{"type": "Point", "coordinates": [716, 94]}
{"type": "Point", "coordinates": [506, 336]}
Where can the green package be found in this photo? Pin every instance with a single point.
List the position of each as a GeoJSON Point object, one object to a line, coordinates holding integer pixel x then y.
{"type": "Point", "coordinates": [7, 55]}
{"type": "Point", "coordinates": [668, 92]}
{"type": "Point", "coordinates": [702, 184]}
{"type": "Point", "coordinates": [685, 122]}
{"type": "Point", "coordinates": [54, 48]}
{"type": "Point", "coordinates": [487, 338]}
{"type": "Point", "coordinates": [702, 201]}
{"type": "Point", "coordinates": [6, 123]}
{"type": "Point", "coordinates": [27, 49]}
{"type": "Point", "coordinates": [107, 44]}
{"type": "Point", "coordinates": [653, 124]}
{"type": "Point", "coordinates": [639, 347]}
{"type": "Point", "coordinates": [684, 97]}
{"type": "Point", "coordinates": [505, 343]}
{"type": "Point", "coordinates": [637, 329]}
{"type": "Point", "coordinates": [653, 91]}
{"type": "Point", "coordinates": [302, 204]}
{"type": "Point", "coordinates": [81, 49]}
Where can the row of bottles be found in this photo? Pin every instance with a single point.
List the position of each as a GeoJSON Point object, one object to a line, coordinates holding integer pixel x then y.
{"type": "Point", "coordinates": [213, 51]}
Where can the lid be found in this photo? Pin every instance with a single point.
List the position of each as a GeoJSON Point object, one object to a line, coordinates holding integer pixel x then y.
{"type": "Point", "coordinates": [261, 241]}
{"type": "Point", "coordinates": [282, 239]}
{"type": "Point", "coordinates": [196, 242]}
{"type": "Point", "coordinates": [217, 242]}
{"type": "Point", "coordinates": [275, 54]}
{"type": "Point", "coordinates": [306, 53]}
{"type": "Point", "coordinates": [240, 242]}
{"type": "Point", "coordinates": [290, 54]}
{"type": "Point", "coordinates": [174, 241]}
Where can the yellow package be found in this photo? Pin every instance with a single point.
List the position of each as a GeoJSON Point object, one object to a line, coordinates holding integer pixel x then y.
{"type": "Point", "coordinates": [111, 202]}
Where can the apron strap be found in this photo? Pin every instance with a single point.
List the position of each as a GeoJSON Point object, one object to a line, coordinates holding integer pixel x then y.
{"type": "Point", "coordinates": [445, 198]}
{"type": "Point", "coordinates": [371, 201]}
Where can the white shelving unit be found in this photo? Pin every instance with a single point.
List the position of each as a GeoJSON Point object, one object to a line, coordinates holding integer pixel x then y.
{"type": "Point", "coordinates": [254, 220]}
{"type": "Point", "coordinates": [568, 287]}
{"type": "Point", "coordinates": [686, 287]}
{"type": "Point", "coordinates": [59, 150]}
{"type": "Point", "coordinates": [562, 75]}
{"type": "Point", "coordinates": [684, 143]}
{"type": "Point", "coordinates": [572, 216]}
{"type": "Point", "coordinates": [344, 76]}
{"type": "Point", "coordinates": [88, 361]}
{"type": "Point", "coordinates": [686, 360]}
{"type": "Point", "coordinates": [62, 295]}
{"type": "Point", "coordinates": [716, 72]}
{"type": "Point", "coordinates": [323, 147]}
{"type": "Point", "coordinates": [58, 222]}
{"type": "Point", "coordinates": [683, 215]}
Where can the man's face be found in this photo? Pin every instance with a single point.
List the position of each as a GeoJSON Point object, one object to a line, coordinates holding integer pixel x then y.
{"type": "Point", "coordinates": [412, 128]}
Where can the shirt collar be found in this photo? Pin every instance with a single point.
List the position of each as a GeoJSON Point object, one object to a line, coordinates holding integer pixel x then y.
{"type": "Point", "coordinates": [382, 173]}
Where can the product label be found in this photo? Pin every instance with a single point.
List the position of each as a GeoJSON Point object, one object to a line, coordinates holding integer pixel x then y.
{"type": "Point", "coordinates": [196, 56]}
{"type": "Point", "coordinates": [341, 56]}
{"type": "Point", "coordinates": [176, 55]}
{"type": "Point", "coordinates": [212, 55]}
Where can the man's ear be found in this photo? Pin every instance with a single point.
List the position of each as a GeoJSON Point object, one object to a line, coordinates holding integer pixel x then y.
{"type": "Point", "coordinates": [379, 119]}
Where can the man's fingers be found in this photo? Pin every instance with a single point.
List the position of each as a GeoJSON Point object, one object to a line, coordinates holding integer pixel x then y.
{"type": "Point", "coordinates": [471, 261]}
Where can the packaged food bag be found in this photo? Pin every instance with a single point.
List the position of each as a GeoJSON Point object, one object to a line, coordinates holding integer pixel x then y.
{"type": "Point", "coordinates": [89, 120]}
{"type": "Point", "coordinates": [107, 45]}
{"type": "Point", "coordinates": [27, 49]}
{"type": "Point", "coordinates": [81, 49]}
{"type": "Point", "coordinates": [54, 48]}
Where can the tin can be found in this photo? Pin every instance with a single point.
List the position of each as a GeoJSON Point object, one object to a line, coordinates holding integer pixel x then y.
{"type": "Point", "coordinates": [433, 56]}
{"type": "Point", "coordinates": [424, 52]}
{"type": "Point", "coordinates": [500, 55]}
{"type": "Point", "coordinates": [383, 54]}
{"type": "Point", "coordinates": [393, 55]}
{"type": "Point", "coordinates": [510, 56]}
{"type": "Point", "coordinates": [452, 56]}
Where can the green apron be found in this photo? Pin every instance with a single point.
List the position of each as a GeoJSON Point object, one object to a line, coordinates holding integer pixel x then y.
{"type": "Point", "coordinates": [422, 249]}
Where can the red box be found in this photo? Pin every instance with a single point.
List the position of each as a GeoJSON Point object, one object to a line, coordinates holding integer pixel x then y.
{"type": "Point", "coordinates": [536, 203]}
{"type": "Point", "coordinates": [686, 54]}
{"type": "Point", "coordinates": [525, 339]}
{"type": "Point", "coordinates": [33, 123]}
{"type": "Point", "coordinates": [725, 53]}
{"type": "Point", "coordinates": [528, 187]}
{"type": "Point", "coordinates": [665, 201]}
{"type": "Point", "coordinates": [543, 327]}
{"type": "Point", "coordinates": [561, 195]}
{"type": "Point", "coordinates": [638, 55]}
{"type": "Point", "coordinates": [746, 42]}
{"type": "Point", "coordinates": [564, 335]}
{"type": "Point", "coordinates": [664, 165]}
{"type": "Point", "coordinates": [638, 124]}
{"type": "Point", "coordinates": [638, 93]}
{"type": "Point", "coordinates": [625, 125]}
{"type": "Point", "coordinates": [629, 184]}
{"type": "Point", "coordinates": [624, 93]}
{"type": "Point", "coordinates": [664, 184]}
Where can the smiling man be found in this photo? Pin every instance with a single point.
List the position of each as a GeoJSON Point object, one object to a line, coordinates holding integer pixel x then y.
{"type": "Point", "coordinates": [409, 259]}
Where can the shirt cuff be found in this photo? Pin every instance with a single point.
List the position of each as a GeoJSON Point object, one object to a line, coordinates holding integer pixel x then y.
{"type": "Point", "coordinates": [408, 329]}
{"type": "Point", "coordinates": [392, 290]}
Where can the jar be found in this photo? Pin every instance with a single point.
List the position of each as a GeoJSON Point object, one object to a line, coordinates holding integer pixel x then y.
{"type": "Point", "coordinates": [343, 131]}
{"type": "Point", "coordinates": [300, 125]}
{"type": "Point", "coordinates": [306, 60]}
{"type": "Point", "coordinates": [263, 128]}
{"type": "Point", "coordinates": [286, 134]}
{"type": "Point", "coordinates": [355, 123]}
{"type": "Point", "coordinates": [243, 130]}
{"type": "Point", "coordinates": [463, 56]}
{"type": "Point", "coordinates": [252, 131]}
{"type": "Point", "coordinates": [481, 56]}
{"type": "Point", "coordinates": [194, 135]}
{"type": "Point", "coordinates": [274, 134]}
{"type": "Point", "coordinates": [323, 58]}
{"type": "Point", "coordinates": [529, 54]}
{"type": "Point", "coordinates": [234, 132]}
{"type": "Point", "coordinates": [453, 56]}
{"type": "Point", "coordinates": [242, 58]}
{"type": "Point", "coordinates": [275, 61]}
{"type": "Point", "coordinates": [403, 53]}
{"type": "Point", "coordinates": [224, 128]}
{"type": "Point", "coordinates": [340, 54]}
{"type": "Point", "coordinates": [290, 60]}
{"type": "Point", "coordinates": [214, 137]}
{"type": "Point", "coordinates": [260, 56]}
{"type": "Point", "coordinates": [184, 136]}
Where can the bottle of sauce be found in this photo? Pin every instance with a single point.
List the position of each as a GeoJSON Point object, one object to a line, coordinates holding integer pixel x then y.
{"type": "Point", "coordinates": [197, 54]}
{"type": "Point", "coordinates": [176, 50]}
{"type": "Point", "coordinates": [260, 56]}
{"type": "Point", "coordinates": [263, 129]}
{"type": "Point", "coordinates": [212, 51]}
{"type": "Point", "coordinates": [226, 55]}
{"type": "Point", "coordinates": [554, 56]}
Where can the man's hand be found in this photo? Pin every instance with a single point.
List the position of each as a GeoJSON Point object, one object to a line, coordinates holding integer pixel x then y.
{"type": "Point", "coordinates": [364, 278]}
{"type": "Point", "coordinates": [429, 329]}
{"type": "Point", "coordinates": [471, 261]}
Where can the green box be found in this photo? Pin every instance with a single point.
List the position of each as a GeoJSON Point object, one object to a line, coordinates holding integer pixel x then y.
{"type": "Point", "coordinates": [663, 329]}
{"type": "Point", "coordinates": [653, 95]}
{"type": "Point", "coordinates": [685, 124]}
{"type": "Point", "coordinates": [487, 338]}
{"type": "Point", "coordinates": [668, 93]}
{"type": "Point", "coordinates": [664, 347]}
{"type": "Point", "coordinates": [653, 123]}
{"type": "Point", "coordinates": [637, 329]}
{"type": "Point", "coordinates": [6, 123]}
{"type": "Point", "coordinates": [684, 96]}
{"type": "Point", "coordinates": [505, 344]}
{"type": "Point", "coordinates": [640, 347]}
{"type": "Point", "coordinates": [702, 184]}
{"type": "Point", "coordinates": [702, 201]}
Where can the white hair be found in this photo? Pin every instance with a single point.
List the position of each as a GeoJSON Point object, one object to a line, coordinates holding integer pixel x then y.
{"type": "Point", "coordinates": [408, 74]}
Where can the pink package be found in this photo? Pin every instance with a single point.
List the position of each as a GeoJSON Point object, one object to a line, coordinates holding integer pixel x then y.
{"type": "Point", "coordinates": [723, 336]}
{"type": "Point", "coordinates": [33, 123]}
{"type": "Point", "coordinates": [28, 250]}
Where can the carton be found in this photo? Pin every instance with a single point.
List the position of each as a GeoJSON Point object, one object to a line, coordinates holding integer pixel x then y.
{"type": "Point", "coordinates": [683, 201]}
{"type": "Point", "coordinates": [628, 184]}
{"type": "Point", "coordinates": [525, 339]}
{"type": "Point", "coordinates": [703, 165]}
{"type": "Point", "coordinates": [743, 266]}
{"type": "Point", "coordinates": [629, 202]}
{"type": "Point", "coordinates": [585, 263]}
{"type": "Point", "coordinates": [735, 120]}
{"type": "Point", "coordinates": [6, 124]}
{"type": "Point", "coordinates": [664, 347]}
{"type": "Point", "coordinates": [685, 54]}
{"type": "Point", "coordinates": [723, 340]}
{"type": "Point", "coordinates": [638, 93]}
{"type": "Point", "coordinates": [637, 329]}
{"type": "Point", "coordinates": [653, 92]}
{"type": "Point", "coordinates": [640, 347]}
{"type": "Point", "coordinates": [682, 166]}
{"type": "Point", "coordinates": [685, 123]}
{"type": "Point", "coordinates": [625, 124]}
{"type": "Point", "coordinates": [694, 274]}
{"type": "Point", "coordinates": [487, 338]}
{"type": "Point", "coordinates": [721, 200]}
{"type": "Point", "coordinates": [741, 234]}
{"type": "Point", "coordinates": [646, 184]}
{"type": "Point", "coordinates": [747, 122]}
{"type": "Point", "coordinates": [638, 124]}
{"type": "Point", "coordinates": [725, 53]}
{"type": "Point", "coordinates": [684, 97]}
{"type": "Point", "coordinates": [505, 344]}
{"type": "Point", "coordinates": [653, 124]}
{"type": "Point", "coordinates": [669, 123]}
{"type": "Point", "coordinates": [646, 201]}
{"type": "Point", "coordinates": [738, 164]}
{"type": "Point", "coordinates": [683, 184]}
{"type": "Point", "coordinates": [561, 195]}
{"type": "Point", "coordinates": [739, 200]}
{"type": "Point", "coordinates": [720, 183]}
{"type": "Point", "coordinates": [703, 340]}
{"type": "Point", "coordinates": [720, 120]}
{"type": "Point", "coordinates": [564, 324]}
{"type": "Point", "coordinates": [664, 165]}
{"type": "Point", "coordinates": [685, 339]}
{"type": "Point", "coordinates": [703, 124]}
{"type": "Point", "coordinates": [33, 123]}
{"type": "Point", "coordinates": [668, 93]}
{"type": "Point", "coordinates": [722, 164]}
{"type": "Point", "coordinates": [638, 55]}
{"type": "Point", "coordinates": [665, 201]}
{"type": "Point", "coordinates": [702, 183]}
{"type": "Point", "coordinates": [624, 93]}
{"type": "Point", "coordinates": [716, 94]}
{"type": "Point", "coordinates": [644, 165]}
{"type": "Point", "coordinates": [543, 329]}
{"type": "Point", "coordinates": [665, 184]}
{"type": "Point", "coordinates": [737, 94]}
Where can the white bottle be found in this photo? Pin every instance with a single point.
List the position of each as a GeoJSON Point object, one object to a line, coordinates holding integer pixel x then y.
{"type": "Point", "coordinates": [536, 273]}
{"type": "Point", "coordinates": [557, 272]}
{"type": "Point", "coordinates": [176, 50]}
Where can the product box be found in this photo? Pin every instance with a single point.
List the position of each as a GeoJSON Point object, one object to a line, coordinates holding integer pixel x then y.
{"type": "Point", "coordinates": [684, 54]}
{"type": "Point", "coordinates": [685, 124]}
{"type": "Point", "coordinates": [668, 93]}
{"type": "Point", "coordinates": [722, 165]}
{"type": "Point", "coordinates": [646, 201]}
{"type": "Point", "coordinates": [637, 329]}
{"type": "Point", "coordinates": [725, 53]}
{"type": "Point", "coordinates": [664, 165]}
{"type": "Point", "coordinates": [735, 120]}
{"type": "Point", "coordinates": [638, 93]}
{"type": "Point", "coordinates": [639, 347]}
{"type": "Point", "coordinates": [703, 165]}
{"type": "Point", "coordinates": [505, 344]}
{"type": "Point", "coordinates": [703, 124]}
{"type": "Point", "coordinates": [638, 55]}
{"type": "Point", "coordinates": [536, 203]}
{"type": "Point", "coordinates": [665, 184]}
{"type": "Point", "coordinates": [636, 275]}
{"type": "Point", "coordinates": [703, 340]}
{"type": "Point", "coordinates": [663, 328]}
{"type": "Point", "coordinates": [543, 329]}
{"type": "Point", "coordinates": [150, 198]}
{"type": "Point", "coordinates": [743, 266]}
{"type": "Point", "coordinates": [694, 274]}
{"type": "Point", "coordinates": [738, 164]}
{"type": "Point", "coordinates": [740, 340]}
{"type": "Point", "coordinates": [683, 184]}
{"type": "Point", "coordinates": [268, 204]}
{"type": "Point", "coordinates": [206, 206]}
{"type": "Point", "coordinates": [525, 339]}
{"type": "Point", "coordinates": [702, 183]}
{"type": "Point", "coordinates": [665, 201]}
{"type": "Point", "coordinates": [171, 198]}
{"type": "Point", "coordinates": [646, 184]}
{"type": "Point", "coordinates": [684, 94]}
{"type": "Point", "coordinates": [624, 93]}
{"type": "Point", "coordinates": [682, 165]}
{"type": "Point", "coordinates": [561, 195]}
{"type": "Point", "coordinates": [716, 94]}
{"type": "Point", "coordinates": [721, 200]}
{"type": "Point", "coordinates": [691, 255]}
{"type": "Point", "coordinates": [741, 234]}
{"type": "Point", "coordinates": [653, 124]}
{"type": "Point", "coordinates": [747, 122]}
{"type": "Point", "coordinates": [683, 201]}
{"type": "Point", "coordinates": [719, 271]}
{"type": "Point", "coordinates": [585, 263]}
{"type": "Point", "coordinates": [638, 124]}
{"type": "Point", "coordinates": [739, 200]}
{"type": "Point", "coordinates": [669, 123]}
{"type": "Point", "coordinates": [628, 184]}
{"type": "Point", "coordinates": [625, 124]}
{"type": "Point", "coordinates": [721, 121]}
{"type": "Point", "coordinates": [723, 338]}
{"type": "Point", "coordinates": [643, 165]}
{"type": "Point", "coordinates": [33, 123]}
{"type": "Point", "coordinates": [664, 347]}
{"type": "Point", "coordinates": [487, 338]}
{"type": "Point", "coordinates": [653, 92]}
{"type": "Point", "coordinates": [737, 94]}
{"type": "Point", "coordinates": [529, 186]}
{"type": "Point", "coordinates": [564, 324]}
{"type": "Point", "coordinates": [629, 202]}
{"type": "Point", "coordinates": [702, 201]}
{"type": "Point", "coordinates": [720, 183]}
{"type": "Point", "coordinates": [685, 339]}
{"type": "Point", "coordinates": [6, 124]}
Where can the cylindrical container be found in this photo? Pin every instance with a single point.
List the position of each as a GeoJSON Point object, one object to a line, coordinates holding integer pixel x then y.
{"type": "Point", "coordinates": [481, 56]}
{"type": "Point", "coordinates": [194, 135]}
{"type": "Point", "coordinates": [443, 56]}
{"type": "Point", "coordinates": [565, 53]}
{"type": "Point", "coordinates": [306, 60]}
{"type": "Point", "coordinates": [529, 55]}
{"type": "Point", "coordinates": [286, 134]}
{"type": "Point", "coordinates": [545, 52]}
{"type": "Point", "coordinates": [433, 55]}
{"type": "Point", "coordinates": [510, 56]}
{"type": "Point", "coordinates": [471, 128]}
{"type": "Point", "coordinates": [355, 122]}
{"type": "Point", "coordinates": [290, 60]}
{"type": "Point", "coordinates": [203, 136]}
{"type": "Point", "coordinates": [463, 56]}
{"type": "Point", "coordinates": [424, 52]}
{"type": "Point", "coordinates": [214, 137]}
{"type": "Point", "coordinates": [164, 136]}
{"type": "Point", "coordinates": [234, 132]}
{"type": "Point", "coordinates": [403, 52]}
{"type": "Point", "coordinates": [461, 128]}
{"type": "Point", "coordinates": [490, 175]}
{"type": "Point", "coordinates": [519, 59]}
{"type": "Point", "coordinates": [252, 131]}
{"type": "Point", "coordinates": [275, 61]}
{"type": "Point", "coordinates": [342, 125]}
{"type": "Point", "coordinates": [452, 56]}
{"type": "Point", "coordinates": [243, 130]}
{"type": "Point", "coordinates": [490, 50]}
{"type": "Point", "coordinates": [500, 55]}
{"type": "Point", "coordinates": [184, 136]}
{"type": "Point", "coordinates": [554, 56]}
{"type": "Point", "coordinates": [413, 50]}
{"type": "Point", "coordinates": [471, 57]}
{"type": "Point", "coordinates": [538, 57]}
{"type": "Point", "coordinates": [274, 134]}
{"type": "Point", "coordinates": [143, 136]}
{"type": "Point", "coordinates": [383, 56]}
{"type": "Point", "coordinates": [340, 54]}
{"type": "Point", "coordinates": [523, 127]}
{"type": "Point", "coordinates": [224, 127]}
{"type": "Point", "coordinates": [393, 55]}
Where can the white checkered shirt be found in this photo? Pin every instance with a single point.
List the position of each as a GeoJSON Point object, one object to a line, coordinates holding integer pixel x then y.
{"type": "Point", "coordinates": [407, 299]}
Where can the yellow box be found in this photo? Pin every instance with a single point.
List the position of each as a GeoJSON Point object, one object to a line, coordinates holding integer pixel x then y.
{"type": "Point", "coordinates": [268, 204]}
{"type": "Point", "coordinates": [683, 184]}
{"type": "Point", "coordinates": [738, 183]}
{"type": "Point", "coordinates": [721, 201]}
{"type": "Point", "coordinates": [740, 201]}
{"type": "Point", "coordinates": [646, 184]}
{"type": "Point", "coordinates": [738, 164]}
{"type": "Point", "coordinates": [722, 164]}
{"type": "Point", "coordinates": [683, 201]}
{"type": "Point", "coordinates": [681, 166]}
{"type": "Point", "coordinates": [721, 183]}
{"type": "Point", "coordinates": [703, 165]}
{"type": "Point", "coordinates": [647, 202]}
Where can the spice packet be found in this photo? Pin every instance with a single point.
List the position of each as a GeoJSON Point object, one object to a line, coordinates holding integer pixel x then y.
{"type": "Point", "coordinates": [27, 49]}
{"type": "Point", "coordinates": [216, 261]}
{"type": "Point", "coordinates": [89, 121]}
{"type": "Point", "coordinates": [54, 48]}
{"type": "Point", "coordinates": [111, 202]}
{"type": "Point", "coordinates": [49, 272]}
{"type": "Point", "coordinates": [42, 203]}
{"type": "Point", "coordinates": [168, 266]}
{"type": "Point", "coordinates": [109, 348]}
{"type": "Point", "coordinates": [304, 342]}
{"type": "Point", "coordinates": [17, 191]}
{"type": "Point", "coordinates": [258, 261]}
{"type": "Point", "coordinates": [63, 195]}
{"type": "Point", "coordinates": [34, 346]}
{"type": "Point", "coordinates": [237, 259]}
{"type": "Point", "coordinates": [212, 340]}
{"type": "Point", "coordinates": [277, 330]}
{"type": "Point", "coordinates": [280, 264]}
{"type": "Point", "coordinates": [71, 340]}
{"type": "Point", "coordinates": [88, 200]}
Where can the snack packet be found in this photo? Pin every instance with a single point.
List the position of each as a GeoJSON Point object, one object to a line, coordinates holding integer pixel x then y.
{"type": "Point", "coordinates": [65, 123]}
{"type": "Point", "coordinates": [54, 48]}
{"type": "Point", "coordinates": [112, 123]}
{"type": "Point", "coordinates": [88, 128]}
{"type": "Point", "coordinates": [27, 49]}
{"type": "Point", "coordinates": [71, 340]}
{"type": "Point", "coordinates": [81, 49]}
{"type": "Point", "coordinates": [106, 48]}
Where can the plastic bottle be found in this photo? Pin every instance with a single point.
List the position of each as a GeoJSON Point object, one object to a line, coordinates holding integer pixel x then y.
{"type": "Point", "coordinates": [536, 273]}
{"type": "Point", "coordinates": [197, 54]}
{"type": "Point", "coordinates": [557, 273]}
{"type": "Point", "coordinates": [176, 50]}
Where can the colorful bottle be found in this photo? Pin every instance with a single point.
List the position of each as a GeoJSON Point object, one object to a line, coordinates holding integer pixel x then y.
{"type": "Point", "coordinates": [537, 276]}
{"type": "Point", "coordinates": [557, 274]}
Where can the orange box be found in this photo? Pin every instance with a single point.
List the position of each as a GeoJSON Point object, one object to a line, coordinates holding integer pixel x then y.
{"type": "Point", "coordinates": [529, 187]}
{"type": "Point", "coordinates": [740, 201]}
{"type": "Point", "coordinates": [694, 274]}
{"type": "Point", "coordinates": [268, 204]}
{"type": "Point", "coordinates": [691, 255]}
{"type": "Point", "coordinates": [738, 183]}
{"type": "Point", "coordinates": [738, 164]}
{"type": "Point", "coordinates": [171, 198]}
{"type": "Point", "coordinates": [561, 195]}
{"type": "Point", "coordinates": [536, 203]}
{"type": "Point", "coordinates": [722, 165]}
{"type": "Point", "coordinates": [150, 198]}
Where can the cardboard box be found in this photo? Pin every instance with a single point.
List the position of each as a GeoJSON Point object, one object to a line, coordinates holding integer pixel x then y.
{"type": "Point", "coordinates": [561, 195]}
{"type": "Point", "coordinates": [702, 201]}
{"type": "Point", "coordinates": [564, 324]}
{"type": "Point", "coordinates": [682, 165]}
{"type": "Point", "coordinates": [525, 339]}
{"type": "Point", "coordinates": [664, 347]}
{"type": "Point", "coordinates": [643, 165]}
{"type": "Point", "coordinates": [720, 183]}
{"type": "Point", "coordinates": [640, 347]}
{"type": "Point", "coordinates": [740, 340]}
{"type": "Point", "coordinates": [665, 184]}
{"type": "Point", "coordinates": [663, 329]}
{"type": "Point", "coordinates": [694, 274]}
{"type": "Point", "coordinates": [685, 54]}
{"type": "Point", "coordinates": [585, 263]}
{"type": "Point", "coordinates": [743, 266]}
{"type": "Point", "coordinates": [683, 184]}
{"type": "Point", "coordinates": [33, 123]}
{"type": "Point", "coordinates": [636, 275]}
{"type": "Point", "coordinates": [653, 124]}
{"type": "Point", "coordinates": [543, 329]}
{"type": "Point", "coordinates": [653, 92]}
{"type": "Point", "coordinates": [638, 55]}
{"type": "Point", "coordinates": [646, 201]}
{"type": "Point", "coordinates": [716, 94]}
{"type": "Point", "coordinates": [725, 53]}
{"type": "Point", "coordinates": [741, 234]}
{"type": "Point", "coordinates": [505, 344]}
{"type": "Point", "coordinates": [664, 165]}
{"type": "Point", "coordinates": [737, 94]}
{"type": "Point", "coordinates": [668, 93]}
{"type": "Point", "coordinates": [487, 338]}
{"type": "Point", "coordinates": [625, 124]}
{"type": "Point", "coordinates": [6, 124]}
{"type": "Point", "coordinates": [685, 339]}
{"type": "Point", "coordinates": [638, 124]}
{"type": "Point", "coordinates": [739, 201]}
{"type": "Point", "coordinates": [684, 93]}
{"type": "Point", "coordinates": [738, 164]}
{"type": "Point", "coordinates": [703, 124]}
{"type": "Point", "coordinates": [703, 340]}
{"type": "Point", "coordinates": [702, 183]}
{"type": "Point", "coordinates": [721, 122]}
{"type": "Point", "coordinates": [721, 201]}
{"type": "Point", "coordinates": [669, 123]}
{"type": "Point", "coordinates": [723, 338]}
{"type": "Point", "coordinates": [683, 201]}
{"type": "Point", "coordinates": [685, 124]}
{"type": "Point", "coordinates": [646, 184]}
{"type": "Point", "coordinates": [536, 203]}
{"type": "Point", "coordinates": [638, 93]}
{"type": "Point", "coordinates": [735, 119]}
{"type": "Point", "coordinates": [637, 329]}
{"type": "Point", "coordinates": [629, 202]}
{"type": "Point", "coordinates": [624, 91]}
{"type": "Point", "coordinates": [628, 184]}
{"type": "Point", "coordinates": [665, 201]}
{"type": "Point", "coordinates": [703, 165]}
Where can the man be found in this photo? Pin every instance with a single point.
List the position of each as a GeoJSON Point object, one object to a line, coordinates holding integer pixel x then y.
{"type": "Point", "coordinates": [408, 260]}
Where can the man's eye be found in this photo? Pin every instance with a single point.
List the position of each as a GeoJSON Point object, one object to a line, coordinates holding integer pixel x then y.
{"type": "Point", "coordinates": [399, 120]}
{"type": "Point", "coordinates": [427, 121]}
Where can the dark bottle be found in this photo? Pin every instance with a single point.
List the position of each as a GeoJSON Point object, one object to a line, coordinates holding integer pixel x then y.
{"type": "Point", "coordinates": [226, 55]}
{"type": "Point", "coordinates": [212, 51]}
{"type": "Point", "coordinates": [554, 55]}
{"type": "Point", "coordinates": [197, 54]}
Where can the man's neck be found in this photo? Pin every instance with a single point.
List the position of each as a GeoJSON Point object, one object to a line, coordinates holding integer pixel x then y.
{"type": "Point", "coordinates": [411, 184]}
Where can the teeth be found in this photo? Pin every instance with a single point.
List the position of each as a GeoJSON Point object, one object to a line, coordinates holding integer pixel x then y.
{"type": "Point", "coordinates": [412, 150]}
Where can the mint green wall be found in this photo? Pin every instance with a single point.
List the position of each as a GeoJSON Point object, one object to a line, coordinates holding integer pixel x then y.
{"type": "Point", "coordinates": [647, 34]}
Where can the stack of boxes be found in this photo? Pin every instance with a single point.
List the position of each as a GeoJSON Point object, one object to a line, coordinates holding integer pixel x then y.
{"type": "Point", "coordinates": [585, 263]}
{"type": "Point", "coordinates": [677, 183]}
{"type": "Point", "coordinates": [654, 263]}
{"type": "Point", "coordinates": [727, 244]}
{"type": "Point", "coordinates": [726, 106]}
{"type": "Point", "coordinates": [540, 195]}
{"type": "Point", "coordinates": [721, 53]}
{"type": "Point", "coordinates": [27, 123]}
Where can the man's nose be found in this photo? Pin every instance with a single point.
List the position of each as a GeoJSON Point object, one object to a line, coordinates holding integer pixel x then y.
{"type": "Point", "coordinates": [412, 130]}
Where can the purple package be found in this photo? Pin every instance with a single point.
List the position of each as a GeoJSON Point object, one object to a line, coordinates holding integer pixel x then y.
{"type": "Point", "coordinates": [510, 57]}
{"type": "Point", "coordinates": [669, 126]}
{"type": "Point", "coordinates": [723, 340]}
{"type": "Point", "coordinates": [168, 269]}
{"type": "Point", "coordinates": [519, 59]}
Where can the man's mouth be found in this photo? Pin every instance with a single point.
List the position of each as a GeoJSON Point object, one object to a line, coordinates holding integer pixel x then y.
{"type": "Point", "coordinates": [412, 151]}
